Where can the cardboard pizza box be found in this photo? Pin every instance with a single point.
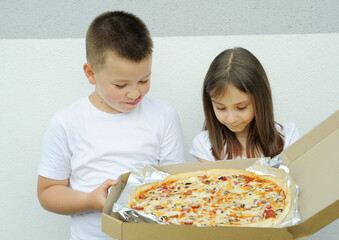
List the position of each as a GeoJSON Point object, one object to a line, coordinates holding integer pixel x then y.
{"type": "Point", "coordinates": [314, 166]}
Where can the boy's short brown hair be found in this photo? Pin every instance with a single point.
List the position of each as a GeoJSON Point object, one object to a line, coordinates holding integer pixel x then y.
{"type": "Point", "coordinates": [122, 33]}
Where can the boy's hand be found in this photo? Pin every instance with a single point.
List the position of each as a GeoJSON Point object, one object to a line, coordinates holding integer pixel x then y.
{"type": "Point", "coordinates": [98, 197]}
{"type": "Point", "coordinates": [56, 196]}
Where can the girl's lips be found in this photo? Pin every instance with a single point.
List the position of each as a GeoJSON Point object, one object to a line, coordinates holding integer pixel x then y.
{"type": "Point", "coordinates": [234, 127]}
{"type": "Point", "coordinates": [136, 101]}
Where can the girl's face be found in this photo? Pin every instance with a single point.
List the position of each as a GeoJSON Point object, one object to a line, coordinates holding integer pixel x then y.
{"type": "Point", "coordinates": [235, 110]}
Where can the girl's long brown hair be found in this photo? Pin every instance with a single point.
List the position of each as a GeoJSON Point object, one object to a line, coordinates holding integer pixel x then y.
{"type": "Point", "coordinates": [243, 70]}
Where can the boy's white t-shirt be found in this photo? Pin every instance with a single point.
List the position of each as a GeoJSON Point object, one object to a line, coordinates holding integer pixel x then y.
{"type": "Point", "coordinates": [89, 146]}
{"type": "Point", "coordinates": [202, 147]}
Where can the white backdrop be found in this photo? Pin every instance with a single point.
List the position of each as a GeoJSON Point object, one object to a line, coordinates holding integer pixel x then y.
{"type": "Point", "coordinates": [39, 77]}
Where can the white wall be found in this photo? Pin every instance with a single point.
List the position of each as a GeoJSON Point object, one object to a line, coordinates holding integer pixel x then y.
{"type": "Point", "coordinates": [39, 77]}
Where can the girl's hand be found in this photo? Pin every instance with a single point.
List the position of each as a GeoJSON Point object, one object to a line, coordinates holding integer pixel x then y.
{"type": "Point", "coordinates": [98, 197]}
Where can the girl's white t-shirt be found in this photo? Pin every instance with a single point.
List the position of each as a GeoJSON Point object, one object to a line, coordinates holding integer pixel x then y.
{"type": "Point", "coordinates": [202, 147]}
{"type": "Point", "coordinates": [89, 146]}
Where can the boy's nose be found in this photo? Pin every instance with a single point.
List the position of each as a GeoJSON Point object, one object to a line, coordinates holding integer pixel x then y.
{"type": "Point", "coordinates": [133, 93]}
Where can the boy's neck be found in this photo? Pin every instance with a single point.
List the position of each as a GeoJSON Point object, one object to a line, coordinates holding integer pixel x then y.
{"type": "Point", "coordinates": [100, 104]}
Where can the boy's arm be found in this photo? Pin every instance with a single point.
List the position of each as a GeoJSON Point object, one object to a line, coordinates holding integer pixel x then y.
{"type": "Point", "coordinates": [56, 196]}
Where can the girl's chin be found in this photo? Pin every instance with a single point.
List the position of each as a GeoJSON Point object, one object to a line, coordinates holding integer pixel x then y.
{"type": "Point", "coordinates": [238, 130]}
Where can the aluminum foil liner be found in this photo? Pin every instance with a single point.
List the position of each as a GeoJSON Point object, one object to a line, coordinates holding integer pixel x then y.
{"type": "Point", "coordinates": [274, 167]}
{"type": "Point", "coordinates": [138, 177]}
{"type": "Point", "coordinates": [148, 174]}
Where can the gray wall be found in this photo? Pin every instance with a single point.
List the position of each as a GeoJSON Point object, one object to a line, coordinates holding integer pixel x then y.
{"type": "Point", "coordinates": [33, 19]}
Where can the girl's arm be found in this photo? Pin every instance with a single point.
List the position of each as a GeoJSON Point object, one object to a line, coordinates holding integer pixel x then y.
{"type": "Point", "coordinates": [56, 196]}
{"type": "Point", "coordinates": [202, 160]}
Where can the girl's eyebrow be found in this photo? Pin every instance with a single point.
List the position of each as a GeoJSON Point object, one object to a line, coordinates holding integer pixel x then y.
{"type": "Point", "coordinates": [242, 102]}
{"type": "Point", "coordinates": [214, 101]}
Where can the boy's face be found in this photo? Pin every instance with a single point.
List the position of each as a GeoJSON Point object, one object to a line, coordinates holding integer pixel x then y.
{"type": "Point", "coordinates": [120, 84]}
{"type": "Point", "coordinates": [235, 110]}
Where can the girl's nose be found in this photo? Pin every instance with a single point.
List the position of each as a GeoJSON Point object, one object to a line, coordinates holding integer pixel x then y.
{"type": "Point", "coordinates": [231, 117]}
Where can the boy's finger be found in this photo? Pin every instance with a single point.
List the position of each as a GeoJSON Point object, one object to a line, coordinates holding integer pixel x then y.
{"type": "Point", "coordinates": [110, 182]}
{"type": "Point", "coordinates": [115, 182]}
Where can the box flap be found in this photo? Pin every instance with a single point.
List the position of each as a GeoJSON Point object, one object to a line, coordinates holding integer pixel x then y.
{"type": "Point", "coordinates": [317, 176]}
{"type": "Point", "coordinates": [146, 231]}
{"type": "Point", "coordinates": [112, 226]}
{"type": "Point", "coordinates": [194, 166]}
{"type": "Point", "coordinates": [316, 222]}
{"type": "Point", "coordinates": [314, 166]}
{"type": "Point", "coordinates": [114, 193]}
{"type": "Point", "coordinates": [310, 139]}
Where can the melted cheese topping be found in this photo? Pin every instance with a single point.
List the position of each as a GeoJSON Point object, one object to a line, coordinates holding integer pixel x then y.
{"type": "Point", "coordinates": [213, 201]}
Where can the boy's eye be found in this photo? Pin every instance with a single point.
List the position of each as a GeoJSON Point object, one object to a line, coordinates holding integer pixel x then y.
{"type": "Point", "coordinates": [145, 81]}
{"type": "Point", "coordinates": [120, 86]}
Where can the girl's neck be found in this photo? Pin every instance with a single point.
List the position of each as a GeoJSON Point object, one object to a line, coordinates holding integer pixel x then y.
{"type": "Point", "coordinates": [243, 142]}
{"type": "Point", "coordinates": [242, 138]}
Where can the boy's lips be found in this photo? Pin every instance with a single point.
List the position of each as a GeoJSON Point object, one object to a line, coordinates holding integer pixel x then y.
{"type": "Point", "coordinates": [136, 101]}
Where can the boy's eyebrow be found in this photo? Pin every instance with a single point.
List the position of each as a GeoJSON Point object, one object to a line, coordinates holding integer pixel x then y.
{"type": "Point", "coordinates": [125, 80]}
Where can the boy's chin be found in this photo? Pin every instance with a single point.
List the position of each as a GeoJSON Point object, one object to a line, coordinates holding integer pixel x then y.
{"type": "Point", "coordinates": [118, 110]}
{"type": "Point", "coordinates": [124, 107]}
{"type": "Point", "coordinates": [128, 109]}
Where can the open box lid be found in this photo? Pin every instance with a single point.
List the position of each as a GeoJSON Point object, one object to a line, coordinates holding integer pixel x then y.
{"type": "Point", "coordinates": [314, 165]}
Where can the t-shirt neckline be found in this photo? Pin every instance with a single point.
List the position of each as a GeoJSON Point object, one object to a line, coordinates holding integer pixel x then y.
{"type": "Point", "coordinates": [106, 114]}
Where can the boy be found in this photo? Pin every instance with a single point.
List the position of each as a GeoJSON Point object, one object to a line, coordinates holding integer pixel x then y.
{"type": "Point", "coordinates": [116, 128]}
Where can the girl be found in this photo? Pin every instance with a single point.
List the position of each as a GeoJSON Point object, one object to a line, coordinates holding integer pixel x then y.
{"type": "Point", "coordinates": [238, 109]}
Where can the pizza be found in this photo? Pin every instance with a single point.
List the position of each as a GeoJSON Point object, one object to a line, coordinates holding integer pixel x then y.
{"type": "Point", "coordinates": [215, 197]}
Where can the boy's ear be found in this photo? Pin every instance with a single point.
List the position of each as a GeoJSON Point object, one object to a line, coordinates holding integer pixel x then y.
{"type": "Point", "coordinates": [88, 69]}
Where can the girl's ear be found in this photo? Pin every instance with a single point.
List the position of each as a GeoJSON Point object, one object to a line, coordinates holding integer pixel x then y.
{"type": "Point", "coordinates": [88, 69]}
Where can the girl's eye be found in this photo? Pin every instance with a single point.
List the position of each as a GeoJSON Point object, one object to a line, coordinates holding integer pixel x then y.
{"type": "Point", "coordinates": [242, 108]}
{"type": "Point", "coordinates": [221, 108]}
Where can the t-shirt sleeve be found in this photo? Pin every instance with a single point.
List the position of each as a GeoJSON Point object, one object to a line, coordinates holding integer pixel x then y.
{"type": "Point", "coordinates": [172, 146]}
{"type": "Point", "coordinates": [55, 155]}
{"type": "Point", "coordinates": [201, 147]}
{"type": "Point", "coordinates": [291, 134]}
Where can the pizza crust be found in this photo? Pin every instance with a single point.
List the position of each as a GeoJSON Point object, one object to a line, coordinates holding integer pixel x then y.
{"type": "Point", "coordinates": [184, 175]}
{"type": "Point", "coordinates": [229, 172]}
{"type": "Point", "coordinates": [139, 190]}
{"type": "Point", "coordinates": [287, 201]}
